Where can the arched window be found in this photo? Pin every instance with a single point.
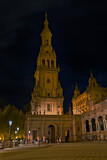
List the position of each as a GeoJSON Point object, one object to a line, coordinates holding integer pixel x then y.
{"type": "Point", "coordinates": [48, 94]}
{"type": "Point", "coordinates": [93, 124]}
{"type": "Point", "coordinates": [101, 125]}
{"type": "Point", "coordinates": [47, 41]}
{"type": "Point", "coordinates": [48, 64]}
{"type": "Point", "coordinates": [48, 107]}
{"type": "Point", "coordinates": [48, 80]}
{"type": "Point", "coordinates": [43, 62]}
{"type": "Point", "coordinates": [78, 129]}
{"type": "Point", "coordinates": [52, 63]}
{"type": "Point", "coordinates": [87, 126]}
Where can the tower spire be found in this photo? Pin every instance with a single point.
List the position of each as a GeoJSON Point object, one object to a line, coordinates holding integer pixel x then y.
{"type": "Point", "coordinates": [46, 33]}
{"type": "Point", "coordinates": [46, 15]}
{"type": "Point", "coordinates": [46, 20]}
{"type": "Point", "coordinates": [76, 87]}
{"type": "Point", "coordinates": [70, 112]}
{"type": "Point", "coordinates": [91, 74]}
{"type": "Point", "coordinates": [76, 91]}
{"type": "Point", "coordinates": [92, 81]}
{"type": "Point", "coordinates": [47, 88]}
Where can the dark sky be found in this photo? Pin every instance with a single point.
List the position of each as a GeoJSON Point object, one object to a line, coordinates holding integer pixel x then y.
{"type": "Point", "coordinates": [79, 37]}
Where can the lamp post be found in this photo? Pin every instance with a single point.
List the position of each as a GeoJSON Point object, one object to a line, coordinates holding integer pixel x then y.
{"type": "Point", "coordinates": [10, 124]}
{"type": "Point", "coordinates": [17, 131]}
{"type": "Point", "coordinates": [29, 135]}
{"type": "Point", "coordinates": [17, 128]}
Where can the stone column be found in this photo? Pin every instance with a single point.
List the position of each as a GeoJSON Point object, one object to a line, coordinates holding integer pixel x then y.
{"type": "Point", "coordinates": [63, 134]}
{"type": "Point", "coordinates": [98, 126]}
{"type": "Point", "coordinates": [52, 106]}
{"type": "Point", "coordinates": [84, 127]}
{"type": "Point", "coordinates": [45, 106]}
{"type": "Point", "coordinates": [74, 130]}
{"type": "Point", "coordinates": [90, 126]}
{"type": "Point", "coordinates": [106, 124]}
{"type": "Point", "coordinates": [98, 131]}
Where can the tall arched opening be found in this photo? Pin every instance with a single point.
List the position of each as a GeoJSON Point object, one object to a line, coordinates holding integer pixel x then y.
{"type": "Point", "coordinates": [93, 124]}
{"type": "Point", "coordinates": [51, 133]}
{"type": "Point", "coordinates": [87, 126]}
{"type": "Point", "coordinates": [100, 120]}
{"type": "Point", "coordinates": [67, 136]}
{"type": "Point", "coordinates": [34, 134]}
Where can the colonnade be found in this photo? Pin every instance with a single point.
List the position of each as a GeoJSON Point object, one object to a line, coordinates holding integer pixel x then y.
{"type": "Point", "coordinates": [95, 126]}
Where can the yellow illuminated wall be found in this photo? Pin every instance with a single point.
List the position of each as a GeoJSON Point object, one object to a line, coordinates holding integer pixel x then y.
{"type": "Point", "coordinates": [84, 102]}
{"type": "Point", "coordinates": [47, 96]}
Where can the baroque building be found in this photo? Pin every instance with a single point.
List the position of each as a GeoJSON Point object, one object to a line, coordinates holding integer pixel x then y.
{"type": "Point", "coordinates": [92, 106]}
{"type": "Point", "coordinates": [46, 117]}
{"type": "Point", "coordinates": [47, 95]}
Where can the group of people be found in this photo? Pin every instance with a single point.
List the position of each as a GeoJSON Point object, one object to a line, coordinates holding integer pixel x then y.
{"type": "Point", "coordinates": [58, 140]}
{"type": "Point", "coordinates": [45, 140]}
{"type": "Point", "coordinates": [38, 140]}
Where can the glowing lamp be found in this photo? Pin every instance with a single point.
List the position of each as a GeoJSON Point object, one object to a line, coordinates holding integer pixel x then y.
{"type": "Point", "coordinates": [17, 128]}
{"type": "Point", "coordinates": [10, 123]}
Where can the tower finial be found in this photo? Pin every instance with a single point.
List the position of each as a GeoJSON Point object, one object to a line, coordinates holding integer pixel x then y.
{"type": "Point", "coordinates": [91, 74]}
{"type": "Point", "coordinates": [46, 15]}
{"type": "Point", "coordinates": [76, 91]}
{"type": "Point", "coordinates": [46, 20]}
{"type": "Point", "coordinates": [76, 87]}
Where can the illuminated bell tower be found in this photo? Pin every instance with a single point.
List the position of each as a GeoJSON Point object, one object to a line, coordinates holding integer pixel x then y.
{"type": "Point", "coordinates": [47, 96]}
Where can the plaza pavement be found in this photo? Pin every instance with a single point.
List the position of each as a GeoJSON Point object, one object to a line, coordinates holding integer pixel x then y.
{"type": "Point", "coordinates": [63, 151]}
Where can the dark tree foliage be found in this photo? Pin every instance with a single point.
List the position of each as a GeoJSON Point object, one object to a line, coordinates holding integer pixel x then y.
{"type": "Point", "coordinates": [18, 120]}
{"type": "Point", "coordinates": [26, 108]}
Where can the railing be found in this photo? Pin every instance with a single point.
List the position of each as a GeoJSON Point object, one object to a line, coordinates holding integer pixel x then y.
{"type": "Point", "coordinates": [8, 144]}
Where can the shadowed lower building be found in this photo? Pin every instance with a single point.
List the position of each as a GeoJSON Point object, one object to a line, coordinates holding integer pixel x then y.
{"type": "Point", "coordinates": [47, 117]}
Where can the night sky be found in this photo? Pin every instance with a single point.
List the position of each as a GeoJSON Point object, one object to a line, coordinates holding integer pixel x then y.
{"type": "Point", "coordinates": [79, 31]}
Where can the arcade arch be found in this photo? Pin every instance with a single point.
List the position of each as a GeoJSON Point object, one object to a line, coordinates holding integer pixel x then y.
{"type": "Point", "coordinates": [93, 124]}
{"type": "Point", "coordinates": [51, 133]}
{"type": "Point", "coordinates": [101, 125]}
{"type": "Point", "coordinates": [87, 126]}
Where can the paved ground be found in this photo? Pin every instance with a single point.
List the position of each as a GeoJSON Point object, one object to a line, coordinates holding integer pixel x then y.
{"type": "Point", "coordinates": [70, 151]}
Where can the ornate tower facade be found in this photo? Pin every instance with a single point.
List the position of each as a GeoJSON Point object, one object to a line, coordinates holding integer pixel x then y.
{"type": "Point", "coordinates": [83, 103]}
{"type": "Point", "coordinates": [47, 96]}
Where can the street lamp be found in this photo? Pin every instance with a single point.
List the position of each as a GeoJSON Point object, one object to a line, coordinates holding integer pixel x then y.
{"type": "Point", "coordinates": [29, 135]}
{"type": "Point", "coordinates": [17, 132]}
{"type": "Point", "coordinates": [10, 124]}
{"type": "Point", "coordinates": [17, 128]}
